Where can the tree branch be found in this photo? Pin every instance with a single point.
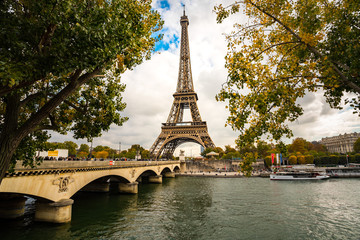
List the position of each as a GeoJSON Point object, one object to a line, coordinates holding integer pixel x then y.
{"type": "Point", "coordinates": [343, 78]}
{"type": "Point", "coordinates": [46, 38]}
{"type": "Point", "coordinates": [282, 59]}
{"type": "Point", "coordinates": [77, 108]}
{"type": "Point", "coordinates": [274, 45]}
{"type": "Point", "coordinates": [30, 98]}
{"type": "Point", "coordinates": [6, 90]}
{"type": "Point", "coordinates": [75, 83]}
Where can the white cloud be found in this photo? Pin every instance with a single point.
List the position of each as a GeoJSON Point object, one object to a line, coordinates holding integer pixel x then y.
{"type": "Point", "coordinates": [150, 87]}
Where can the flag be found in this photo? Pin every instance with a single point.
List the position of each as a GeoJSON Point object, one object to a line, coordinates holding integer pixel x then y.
{"type": "Point", "coordinates": [277, 159]}
{"type": "Point", "coordinates": [272, 158]}
{"type": "Point", "coordinates": [281, 159]}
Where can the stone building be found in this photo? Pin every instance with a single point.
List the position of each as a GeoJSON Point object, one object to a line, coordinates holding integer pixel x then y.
{"type": "Point", "coordinates": [344, 143]}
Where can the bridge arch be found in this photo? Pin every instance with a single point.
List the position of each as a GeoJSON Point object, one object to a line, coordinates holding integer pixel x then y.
{"type": "Point", "coordinates": [166, 170]}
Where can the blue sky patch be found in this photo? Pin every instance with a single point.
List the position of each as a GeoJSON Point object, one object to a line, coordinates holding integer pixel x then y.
{"type": "Point", "coordinates": [164, 5]}
{"type": "Point", "coordinates": [163, 45]}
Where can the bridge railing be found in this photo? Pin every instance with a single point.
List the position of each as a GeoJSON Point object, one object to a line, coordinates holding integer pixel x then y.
{"type": "Point", "coordinates": [91, 164]}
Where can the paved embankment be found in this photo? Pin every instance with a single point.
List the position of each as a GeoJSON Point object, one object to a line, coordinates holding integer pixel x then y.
{"type": "Point", "coordinates": [217, 174]}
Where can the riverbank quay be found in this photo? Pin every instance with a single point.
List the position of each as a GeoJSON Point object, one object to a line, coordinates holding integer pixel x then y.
{"type": "Point", "coordinates": [333, 172]}
{"type": "Point", "coordinates": [211, 174]}
{"type": "Point", "coordinates": [218, 174]}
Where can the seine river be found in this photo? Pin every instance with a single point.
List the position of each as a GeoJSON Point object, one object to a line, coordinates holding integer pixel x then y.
{"type": "Point", "coordinates": [208, 208]}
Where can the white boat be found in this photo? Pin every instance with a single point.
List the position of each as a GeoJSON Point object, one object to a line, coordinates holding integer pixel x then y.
{"type": "Point", "coordinates": [298, 176]}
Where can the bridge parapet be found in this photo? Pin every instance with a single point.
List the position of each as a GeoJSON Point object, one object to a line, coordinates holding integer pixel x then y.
{"type": "Point", "coordinates": [57, 167]}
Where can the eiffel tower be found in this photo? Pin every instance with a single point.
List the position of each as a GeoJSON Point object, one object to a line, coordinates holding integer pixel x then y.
{"type": "Point", "coordinates": [175, 132]}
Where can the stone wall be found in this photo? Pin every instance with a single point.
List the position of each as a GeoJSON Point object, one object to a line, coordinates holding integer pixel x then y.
{"type": "Point", "coordinates": [218, 165]}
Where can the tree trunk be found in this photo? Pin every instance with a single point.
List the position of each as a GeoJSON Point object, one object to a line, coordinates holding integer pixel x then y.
{"type": "Point", "coordinates": [8, 144]}
{"type": "Point", "coordinates": [8, 147]}
{"type": "Point", "coordinates": [11, 134]}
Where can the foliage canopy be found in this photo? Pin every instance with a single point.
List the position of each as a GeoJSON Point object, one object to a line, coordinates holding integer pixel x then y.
{"type": "Point", "coordinates": [286, 49]}
{"type": "Point", "coordinates": [60, 66]}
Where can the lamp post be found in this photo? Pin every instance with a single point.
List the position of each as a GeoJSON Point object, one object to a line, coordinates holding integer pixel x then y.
{"type": "Point", "coordinates": [91, 146]}
{"type": "Point", "coordinates": [119, 149]}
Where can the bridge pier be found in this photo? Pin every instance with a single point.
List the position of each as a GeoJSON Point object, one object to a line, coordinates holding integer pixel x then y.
{"type": "Point", "coordinates": [155, 179]}
{"type": "Point", "coordinates": [131, 188]}
{"type": "Point", "coordinates": [12, 207]}
{"type": "Point", "coordinates": [55, 212]}
{"type": "Point", "coordinates": [169, 175]}
{"type": "Point", "coordinates": [182, 166]}
{"type": "Point", "coordinates": [97, 187]}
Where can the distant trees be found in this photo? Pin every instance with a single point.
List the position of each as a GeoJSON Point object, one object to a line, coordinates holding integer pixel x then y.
{"type": "Point", "coordinates": [99, 151]}
{"type": "Point", "coordinates": [357, 146]}
{"type": "Point", "coordinates": [218, 150]}
{"type": "Point", "coordinates": [83, 151]}
{"type": "Point", "coordinates": [69, 145]}
{"type": "Point", "coordinates": [303, 146]}
{"type": "Point", "coordinates": [101, 154]}
{"type": "Point", "coordinates": [298, 145]}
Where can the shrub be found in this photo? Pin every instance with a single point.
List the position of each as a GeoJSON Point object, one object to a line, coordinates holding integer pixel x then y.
{"type": "Point", "coordinates": [333, 159]}
{"type": "Point", "coordinates": [301, 159]}
{"type": "Point", "coordinates": [342, 160]}
{"type": "Point", "coordinates": [292, 160]}
{"type": "Point", "coordinates": [357, 158]}
{"type": "Point", "coordinates": [309, 159]}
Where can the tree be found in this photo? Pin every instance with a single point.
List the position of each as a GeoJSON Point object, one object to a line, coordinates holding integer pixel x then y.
{"type": "Point", "coordinates": [206, 151]}
{"type": "Point", "coordinates": [263, 148]}
{"type": "Point", "coordinates": [101, 154]}
{"type": "Point", "coordinates": [99, 148]}
{"type": "Point", "coordinates": [82, 154]}
{"type": "Point", "coordinates": [218, 150]}
{"type": "Point", "coordinates": [246, 164]}
{"type": "Point", "coordinates": [292, 160]}
{"type": "Point", "coordinates": [145, 154]}
{"type": "Point", "coordinates": [301, 159]}
{"type": "Point", "coordinates": [318, 147]}
{"type": "Point", "coordinates": [298, 145]}
{"type": "Point", "coordinates": [84, 148]}
{"type": "Point", "coordinates": [61, 63]}
{"type": "Point", "coordinates": [231, 155]}
{"type": "Point", "coordinates": [229, 149]}
{"type": "Point", "coordinates": [247, 148]}
{"type": "Point", "coordinates": [357, 146]}
{"type": "Point", "coordinates": [286, 49]}
{"type": "Point", "coordinates": [281, 148]}
{"type": "Point", "coordinates": [71, 146]}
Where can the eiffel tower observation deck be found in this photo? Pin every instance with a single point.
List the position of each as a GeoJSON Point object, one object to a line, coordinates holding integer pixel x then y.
{"type": "Point", "coordinates": [175, 131]}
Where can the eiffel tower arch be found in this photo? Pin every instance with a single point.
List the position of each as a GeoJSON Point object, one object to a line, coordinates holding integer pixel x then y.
{"type": "Point", "coordinates": [175, 131]}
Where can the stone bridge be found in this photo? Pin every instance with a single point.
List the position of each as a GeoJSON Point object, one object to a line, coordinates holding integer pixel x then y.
{"type": "Point", "coordinates": [53, 183]}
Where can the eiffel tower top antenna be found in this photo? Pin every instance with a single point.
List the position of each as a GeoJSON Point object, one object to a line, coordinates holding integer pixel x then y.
{"type": "Point", "coordinates": [184, 9]}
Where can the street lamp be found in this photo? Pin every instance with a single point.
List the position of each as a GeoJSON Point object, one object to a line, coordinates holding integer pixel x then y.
{"type": "Point", "coordinates": [119, 149]}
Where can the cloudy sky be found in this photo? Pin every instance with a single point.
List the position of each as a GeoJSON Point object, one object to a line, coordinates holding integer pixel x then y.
{"type": "Point", "coordinates": [150, 86]}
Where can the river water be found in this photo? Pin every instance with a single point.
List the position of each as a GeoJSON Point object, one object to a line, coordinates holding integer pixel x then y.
{"type": "Point", "coordinates": [208, 208]}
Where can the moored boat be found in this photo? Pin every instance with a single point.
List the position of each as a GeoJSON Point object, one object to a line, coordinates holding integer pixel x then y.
{"type": "Point", "coordinates": [298, 176]}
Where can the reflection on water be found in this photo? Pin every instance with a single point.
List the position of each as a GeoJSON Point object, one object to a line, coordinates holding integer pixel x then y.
{"type": "Point", "coordinates": [206, 208]}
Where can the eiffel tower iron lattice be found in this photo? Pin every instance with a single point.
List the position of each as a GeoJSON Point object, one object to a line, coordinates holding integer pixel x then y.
{"type": "Point", "coordinates": [175, 132]}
